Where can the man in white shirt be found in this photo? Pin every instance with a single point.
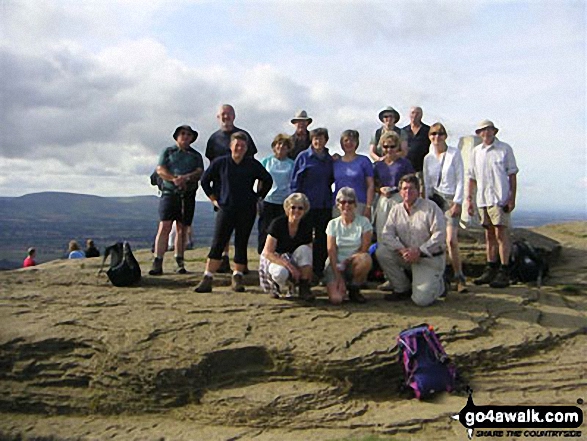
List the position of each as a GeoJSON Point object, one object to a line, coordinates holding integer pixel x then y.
{"type": "Point", "coordinates": [492, 172]}
{"type": "Point", "coordinates": [413, 238]}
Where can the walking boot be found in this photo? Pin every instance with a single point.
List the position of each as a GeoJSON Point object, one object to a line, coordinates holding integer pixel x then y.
{"type": "Point", "coordinates": [205, 285]}
{"type": "Point", "coordinates": [462, 285]}
{"type": "Point", "coordinates": [305, 292]}
{"type": "Point", "coordinates": [355, 295]}
{"type": "Point", "coordinates": [237, 283]}
{"type": "Point", "coordinates": [488, 275]}
{"type": "Point", "coordinates": [157, 268]}
{"type": "Point", "coordinates": [502, 279]}
{"type": "Point", "coordinates": [397, 296]}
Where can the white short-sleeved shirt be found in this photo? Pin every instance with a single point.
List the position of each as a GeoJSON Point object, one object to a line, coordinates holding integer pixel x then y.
{"type": "Point", "coordinates": [491, 167]}
{"type": "Point", "coordinates": [348, 237]}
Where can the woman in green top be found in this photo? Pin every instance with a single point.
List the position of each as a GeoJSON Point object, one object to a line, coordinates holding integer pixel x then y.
{"type": "Point", "coordinates": [348, 238]}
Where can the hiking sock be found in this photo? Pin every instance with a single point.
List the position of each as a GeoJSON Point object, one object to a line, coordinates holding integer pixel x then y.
{"type": "Point", "coordinates": [208, 274]}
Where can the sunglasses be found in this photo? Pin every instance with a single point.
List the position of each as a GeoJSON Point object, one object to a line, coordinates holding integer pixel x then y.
{"type": "Point", "coordinates": [387, 146]}
{"type": "Point", "coordinates": [296, 207]}
{"type": "Point", "coordinates": [345, 201]}
{"type": "Point", "coordinates": [388, 115]}
{"type": "Point", "coordinates": [437, 134]}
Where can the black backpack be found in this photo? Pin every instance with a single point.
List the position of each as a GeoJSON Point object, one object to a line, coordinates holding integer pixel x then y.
{"type": "Point", "coordinates": [526, 264]}
{"type": "Point", "coordinates": [156, 180]}
{"type": "Point", "coordinates": [124, 269]}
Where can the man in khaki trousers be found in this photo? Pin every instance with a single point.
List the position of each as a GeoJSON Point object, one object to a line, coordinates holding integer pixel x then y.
{"type": "Point", "coordinates": [413, 238]}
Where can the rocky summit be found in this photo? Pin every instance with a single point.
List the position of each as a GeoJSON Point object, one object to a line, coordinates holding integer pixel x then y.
{"type": "Point", "coordinates": [83, 360]}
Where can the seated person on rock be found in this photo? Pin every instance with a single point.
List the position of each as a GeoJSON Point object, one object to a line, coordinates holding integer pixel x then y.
{"type": "Point", "coordinates": [413, 238]}
{"type": "Point", "coordinates": [30, 258]}
{"type": "Point", "coordinates": [74, 251]}
{"type": "Point", "coordinates": [286, 259]}
{"type": "Point", "coordinates": [91, 250]}
{"type": "Point", "coordinates": [348, 238]}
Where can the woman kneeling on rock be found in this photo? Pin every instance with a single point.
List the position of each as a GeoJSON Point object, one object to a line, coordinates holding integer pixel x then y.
{"type": "Point", "coordinates": [348, 238]}
{"type": "Point", "coordinates": [287, 256]}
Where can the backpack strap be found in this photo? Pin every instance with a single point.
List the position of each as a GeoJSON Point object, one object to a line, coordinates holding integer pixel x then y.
{"type": "Point", "coordinates": [435, 345]}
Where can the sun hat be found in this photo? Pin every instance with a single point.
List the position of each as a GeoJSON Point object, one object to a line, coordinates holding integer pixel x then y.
{"type": "Point", "coordinates": [189, 129]}
{"type": "Point", "coordinates": [389, 109]}
{"type": "Point", "coordinates": [484, 124]}
{"type": "Point", "coordinates": [302, 115]}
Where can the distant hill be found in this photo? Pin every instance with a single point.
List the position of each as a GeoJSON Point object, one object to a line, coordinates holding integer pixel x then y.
{"type": "Point", "coordinates": [49, 220]}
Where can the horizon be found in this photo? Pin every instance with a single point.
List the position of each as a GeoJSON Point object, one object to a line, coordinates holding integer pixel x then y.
{"type": "Point", "coordinates": [92, 93]}
{"type": "Point", "coordinates": [201, 197]}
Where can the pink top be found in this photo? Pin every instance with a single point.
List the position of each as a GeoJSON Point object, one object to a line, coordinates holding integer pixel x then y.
{"type": "Point", "coordinates": [29, 261]}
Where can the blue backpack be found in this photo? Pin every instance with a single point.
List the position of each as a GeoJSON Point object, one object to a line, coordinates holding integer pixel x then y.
{"type": "Point", "coordinates": [427, 369]}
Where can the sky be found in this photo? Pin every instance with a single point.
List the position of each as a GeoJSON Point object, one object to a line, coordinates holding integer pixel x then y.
{"type": "Point", "coordinates": [91, 91]}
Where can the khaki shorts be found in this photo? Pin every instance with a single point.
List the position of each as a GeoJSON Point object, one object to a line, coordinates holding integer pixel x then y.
{"type": "Point", "coordinates": [495, 216]}
{"type": "Point", "coordinates": [450, 221]}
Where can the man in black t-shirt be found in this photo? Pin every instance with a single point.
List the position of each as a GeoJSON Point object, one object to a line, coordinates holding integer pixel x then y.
{"type": "Point", "coordinates": [418, 140]}
{"type": "Point", "coordinates": [219, 142]}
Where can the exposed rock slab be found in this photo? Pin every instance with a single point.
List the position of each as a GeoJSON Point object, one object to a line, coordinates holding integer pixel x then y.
{"type": "Point", "coordinates": [244, 366]}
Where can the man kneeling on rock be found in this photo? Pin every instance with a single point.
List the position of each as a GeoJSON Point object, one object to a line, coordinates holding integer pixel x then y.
{"type": "Point", "coordinates": [413, 238]}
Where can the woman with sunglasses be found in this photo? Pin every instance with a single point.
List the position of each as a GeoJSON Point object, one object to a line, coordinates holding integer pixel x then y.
{"type": "Point", "coordinates": [286, 259]}
{"type": "Point", "coordinates": [444, 183]}
{"type": "Point", "coordinates": [348, 238]}
{"type": "Point", "coordinates": [387, 174]}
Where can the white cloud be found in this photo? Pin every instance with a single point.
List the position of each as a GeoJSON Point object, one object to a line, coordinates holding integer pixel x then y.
{"type": "Point", "coordinates": [93, 90]}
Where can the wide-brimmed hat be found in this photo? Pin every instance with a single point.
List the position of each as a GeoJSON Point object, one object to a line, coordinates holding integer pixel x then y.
{"type": "Point", "coordinates": [484, 124]}
{"type": "Point", "coordinates": [302, 115]}
{"type": "Point", "coordinates": [389, 109]}
{"type": "Point", "coordinates": [189, 129]}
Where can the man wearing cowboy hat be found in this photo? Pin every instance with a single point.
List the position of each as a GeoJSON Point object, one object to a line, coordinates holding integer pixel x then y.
{"type": "Point", "coordinates": [389, 117]}
{"type": "Point", "coordinates": [180, 167]}
{"type": "Point", "coordinates": [301, 138]}
{"type": "Point", "coordinates": [492, 172]}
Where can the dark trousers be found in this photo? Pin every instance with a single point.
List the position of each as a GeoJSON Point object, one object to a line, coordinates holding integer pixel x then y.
{"type": "Point", "coordinates": [319, 218]}
{"type": "Point", "coordinates": [240, 221]}
{"type": "Point", "coordinates": [268, 213]}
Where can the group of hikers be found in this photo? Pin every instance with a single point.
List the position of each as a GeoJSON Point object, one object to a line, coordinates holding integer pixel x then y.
{"type": "Point", "coordinates": [408, 194]}
{"type": "Point", "coordinates": [74, 251]}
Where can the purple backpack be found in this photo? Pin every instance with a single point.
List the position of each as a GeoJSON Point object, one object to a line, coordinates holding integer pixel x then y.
{"type": "Point", "coordinates": [426, 366]}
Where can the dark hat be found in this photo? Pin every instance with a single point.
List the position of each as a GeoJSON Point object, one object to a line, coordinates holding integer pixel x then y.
{"type": "Point", "coordinates": [389, 109]}
{"type": "Point", "coordinates": [189, 129]}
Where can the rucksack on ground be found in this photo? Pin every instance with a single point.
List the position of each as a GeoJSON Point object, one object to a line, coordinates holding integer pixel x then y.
{"type": "Point", "coordinates": [124, 269]}
{"type": "Point", "coordinates": [426, 367]}
{"type": "Point", "coordinates": [526, 264]}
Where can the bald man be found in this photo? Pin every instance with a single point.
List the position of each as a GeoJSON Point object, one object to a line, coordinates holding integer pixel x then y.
{"type": "Point", "coordinates": [418, 140]}
{"type": "Point", "coordinates": [219, 142]}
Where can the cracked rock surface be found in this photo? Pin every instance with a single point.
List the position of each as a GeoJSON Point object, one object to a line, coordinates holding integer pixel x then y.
{"type": "Point", "coordinates": [83, 360]}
